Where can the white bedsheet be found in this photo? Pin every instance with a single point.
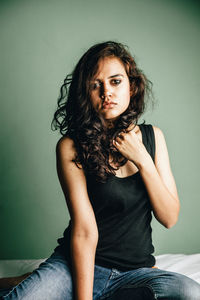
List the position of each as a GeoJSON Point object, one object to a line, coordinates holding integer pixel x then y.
{"type": "Point", "coordinates": [188, 265]}
{"type": "Point", "coordinates": [185, 264]}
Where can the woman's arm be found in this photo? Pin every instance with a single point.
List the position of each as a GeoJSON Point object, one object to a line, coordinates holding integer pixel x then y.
{"type": "Point", "coordinates": [158, 178]}
{"type": "Point", "coordinates": [160, 183]}
{"type": "Point", "coordinates": [84, 234]}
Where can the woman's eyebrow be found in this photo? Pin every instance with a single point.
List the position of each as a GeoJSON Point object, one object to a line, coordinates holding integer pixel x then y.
{"type": "Point", "coordinates": [116, 75]}
{"type": "Point", "coordinates": [112, 76]}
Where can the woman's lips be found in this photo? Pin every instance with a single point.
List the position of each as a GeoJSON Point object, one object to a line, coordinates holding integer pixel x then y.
{"type": "Point", "coordinates": [109, 105]}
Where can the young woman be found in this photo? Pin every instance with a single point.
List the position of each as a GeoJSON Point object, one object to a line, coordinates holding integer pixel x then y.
{"type": "Point", "coordinates": [114, 173]}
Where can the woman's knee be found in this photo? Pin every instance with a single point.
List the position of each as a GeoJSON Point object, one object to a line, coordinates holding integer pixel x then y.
{"type": "Point", "coordinates": [178, 286]}
{"type": "Point", "coordinates": [189, 289]}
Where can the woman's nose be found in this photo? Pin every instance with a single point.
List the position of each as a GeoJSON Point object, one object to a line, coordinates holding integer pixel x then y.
{"type": "Point", "coordinates": [106, 92]}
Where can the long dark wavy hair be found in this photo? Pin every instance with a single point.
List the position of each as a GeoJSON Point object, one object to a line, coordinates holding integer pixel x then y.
{"type": "Point", "coordinates": [76, 118]}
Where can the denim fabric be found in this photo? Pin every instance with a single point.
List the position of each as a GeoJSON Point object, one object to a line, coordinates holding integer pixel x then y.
{"type": "Point", "coordinates": [52, 280]}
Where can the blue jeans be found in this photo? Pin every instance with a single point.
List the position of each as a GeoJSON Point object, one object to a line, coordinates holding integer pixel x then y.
{"type": "Point", "coordinates": [52, 280]}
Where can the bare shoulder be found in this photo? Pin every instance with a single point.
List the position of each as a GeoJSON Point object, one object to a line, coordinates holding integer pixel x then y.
{"type": "Point", "coordinates": [66, 149]}
{"type": "Point", "coordinates": [66, 146]}
{"type": "Point", "coordinates": [157, 131]}
{"type": "Point", "coordinates": [159, 137]}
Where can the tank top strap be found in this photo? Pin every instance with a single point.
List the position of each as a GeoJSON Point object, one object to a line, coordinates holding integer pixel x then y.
{"type": "Point", "coordinates": [148, 138]}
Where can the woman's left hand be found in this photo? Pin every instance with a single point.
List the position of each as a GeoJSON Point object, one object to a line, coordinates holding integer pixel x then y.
{"type": "Point", "coordinates": [130, 146]}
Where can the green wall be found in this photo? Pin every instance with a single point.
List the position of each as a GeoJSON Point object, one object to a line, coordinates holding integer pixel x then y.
{"type": "Point", "coordinates": [41, 42]}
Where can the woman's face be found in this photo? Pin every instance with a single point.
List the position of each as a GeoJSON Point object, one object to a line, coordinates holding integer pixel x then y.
{"type": "Point", "coordinates": [110, 89]}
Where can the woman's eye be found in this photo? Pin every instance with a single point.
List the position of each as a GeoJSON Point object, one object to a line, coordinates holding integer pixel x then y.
{"type": "Point", "coordinates": [95, 85]}
{"type": "Point", "coordinates": [116, 81]}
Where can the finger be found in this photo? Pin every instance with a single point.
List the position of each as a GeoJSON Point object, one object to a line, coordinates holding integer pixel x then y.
{"type": "Point", "coordinates": [115, 143]}
{"type": "Point", "coordinates": [120, 137]}
{"type": "Point", "coordinates": [118, 140]}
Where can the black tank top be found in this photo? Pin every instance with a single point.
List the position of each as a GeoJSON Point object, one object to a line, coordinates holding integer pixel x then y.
{"type": "Point", "coordinates": [123, 214]}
